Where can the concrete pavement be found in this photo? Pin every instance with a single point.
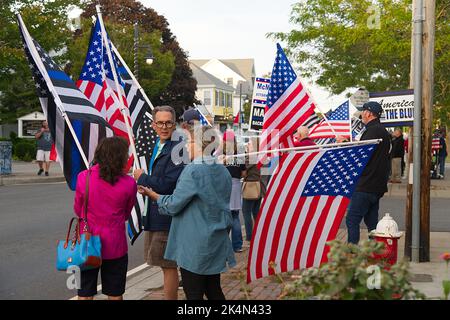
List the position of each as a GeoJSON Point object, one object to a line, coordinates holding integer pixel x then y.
{"type": "Point", "coordinates": [26, 172]}
{"type": "Point", "coordinates": [425, 277]}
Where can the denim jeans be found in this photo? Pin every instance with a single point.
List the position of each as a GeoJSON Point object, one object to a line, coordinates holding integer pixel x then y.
{"type": "Point", "coordinates": [442, 165]}
{"type": "Point", "coordinates": [236, 231]}
{"type": "Point", "coordinates": [250, 209]}
{"type": "Point", "coordinates": [365, 206]}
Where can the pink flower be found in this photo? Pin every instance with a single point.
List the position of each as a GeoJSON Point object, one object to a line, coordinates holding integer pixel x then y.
{"type": "Point", "coordinates": [445, 256]}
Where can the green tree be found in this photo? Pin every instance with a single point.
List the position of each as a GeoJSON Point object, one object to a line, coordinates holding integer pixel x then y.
{"type": "Point", "coordinates": [339, 43]}
{"type": "Point", "coordinates": [47, 23]}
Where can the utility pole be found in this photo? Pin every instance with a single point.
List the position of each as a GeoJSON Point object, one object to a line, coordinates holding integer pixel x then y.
{"type": "Point", "coordinates": [417, 241]}
{"type": "Point", "coordinates": [427, 123]}
{"type": "Point", "coordinates": [409, 163]}
{"type": "Point", "coordinates": [418, 38]}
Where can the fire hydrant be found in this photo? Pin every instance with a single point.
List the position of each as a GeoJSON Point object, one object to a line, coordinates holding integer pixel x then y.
{"type": "Point", "coordinates": [387, 232]}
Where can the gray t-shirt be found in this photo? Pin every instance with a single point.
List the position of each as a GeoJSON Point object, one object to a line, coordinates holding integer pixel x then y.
{"type": "Point", "coordinates": [45, 141]}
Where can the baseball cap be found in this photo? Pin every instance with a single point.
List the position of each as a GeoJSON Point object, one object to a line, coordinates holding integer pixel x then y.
{"type": "Point", "coordinates": [190, 115]}
{"type": "Point", "coordinates": [373, 107]}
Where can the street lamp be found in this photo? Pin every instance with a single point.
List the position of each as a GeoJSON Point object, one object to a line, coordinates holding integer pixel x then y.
{"type": "Point", "coordinates": [148, 56]}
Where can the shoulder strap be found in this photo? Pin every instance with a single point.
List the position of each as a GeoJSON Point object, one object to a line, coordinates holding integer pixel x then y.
{"type": "Point", "coordinates": [86, 196]}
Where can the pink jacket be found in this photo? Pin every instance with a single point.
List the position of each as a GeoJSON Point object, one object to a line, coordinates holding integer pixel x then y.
{"type": "Point", "coordinates": [109, 207]}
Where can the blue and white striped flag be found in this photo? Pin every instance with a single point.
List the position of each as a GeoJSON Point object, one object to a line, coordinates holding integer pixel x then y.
{"type": "Point", "coordinates": [60, 98]}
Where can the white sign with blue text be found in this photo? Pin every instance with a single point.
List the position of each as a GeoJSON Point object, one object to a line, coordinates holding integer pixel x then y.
{"type": "Point", "coordinates": [398, 107]}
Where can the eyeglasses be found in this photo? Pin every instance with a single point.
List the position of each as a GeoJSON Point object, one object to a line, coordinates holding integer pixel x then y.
{"type": "Point", "coordinates": [168, 124]}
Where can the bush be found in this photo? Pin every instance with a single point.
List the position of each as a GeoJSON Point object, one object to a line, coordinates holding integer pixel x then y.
{"type": "Point", "coordinates": [352, 274]}
{"type": "Point", "coordinates": [24, 150]}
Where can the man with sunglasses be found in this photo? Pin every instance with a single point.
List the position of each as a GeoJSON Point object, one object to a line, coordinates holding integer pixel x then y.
{"type": "Point", "coordinates": [162, 178]}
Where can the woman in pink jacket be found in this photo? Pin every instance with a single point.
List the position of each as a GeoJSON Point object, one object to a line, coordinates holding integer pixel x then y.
{"type": "Point", "coordinates": [112, 195]}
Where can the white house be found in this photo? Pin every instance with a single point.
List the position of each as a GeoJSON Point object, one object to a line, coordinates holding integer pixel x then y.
{"type": "Point", "coordinates": [233, 72]}
{"type": "Point", "coordinates": [215, 95]}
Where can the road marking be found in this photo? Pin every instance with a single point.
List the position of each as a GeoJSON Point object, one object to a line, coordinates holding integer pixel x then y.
{"type": "Point", "coordinates": [32, 184]}
{"type": "Point", "coordinates": [129, 274]}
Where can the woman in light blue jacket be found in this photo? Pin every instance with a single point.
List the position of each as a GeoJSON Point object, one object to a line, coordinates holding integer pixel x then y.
{"type": "Point", "coordinates": [200, 209]}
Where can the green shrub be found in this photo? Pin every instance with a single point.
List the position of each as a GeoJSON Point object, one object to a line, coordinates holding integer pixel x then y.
{"type": "Point", "coordinates": [350, 274]}
{"type": "Point", "coordinates": [25, 150]}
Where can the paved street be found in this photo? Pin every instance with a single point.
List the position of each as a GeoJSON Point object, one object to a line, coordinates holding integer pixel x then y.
{"type": "Point", "coordinates": [440, 214]}
{"type": "Point", "coordinates": [33, 218]}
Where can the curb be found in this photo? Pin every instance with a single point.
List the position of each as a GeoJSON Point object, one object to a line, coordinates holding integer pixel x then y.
{"type": "Point", "coordinates": [15, 180]}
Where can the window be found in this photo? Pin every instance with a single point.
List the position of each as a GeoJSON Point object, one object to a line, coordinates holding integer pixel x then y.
{"type": "Point", "coordinates": [216, 96]}
{"type": "Point", "coordinates": [230, 81]}
{"type": "Point", "coordinates": [207, 98]}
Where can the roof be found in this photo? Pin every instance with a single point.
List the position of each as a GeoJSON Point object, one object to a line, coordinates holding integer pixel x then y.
{"type": "Point", "coordinates": [205, 78]}
{"type": "Point", "coordinates": [243, 67]}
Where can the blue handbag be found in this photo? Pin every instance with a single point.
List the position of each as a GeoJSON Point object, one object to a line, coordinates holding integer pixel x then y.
{"type": "Point", "coordinates": [84, 250]}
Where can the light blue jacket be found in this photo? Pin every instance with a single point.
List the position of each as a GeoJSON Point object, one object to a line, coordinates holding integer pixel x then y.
{"type": "Point", "coordinates": [200, 209]}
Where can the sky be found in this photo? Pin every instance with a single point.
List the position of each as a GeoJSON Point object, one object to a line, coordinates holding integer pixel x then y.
{"type": "Point", "coordinates": [234, 29]}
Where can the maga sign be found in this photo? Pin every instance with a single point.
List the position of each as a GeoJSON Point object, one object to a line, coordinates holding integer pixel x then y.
{"type": "Point", "coordinates": [259, 102]}
{"type": "Point", "coordinates": [398, 107]}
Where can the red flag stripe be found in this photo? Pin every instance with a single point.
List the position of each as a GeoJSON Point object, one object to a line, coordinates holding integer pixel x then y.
{"type": "Point", "coordinates": [276, 196]}
{"type": "Point", "coordinates": [289, 204]}
{"type": "Point", "coordinates": [316, 230]}
{"type": "Point", "coordinates": [284, 220]}
{"type": "Point", "coordinates": [261, 220]}
{"type": "Point", "coordinates": [335, 227]}
{"type": "Point", "coordinates": [284, 104]}
{"type": "Point", "coordinates": [270, 212]}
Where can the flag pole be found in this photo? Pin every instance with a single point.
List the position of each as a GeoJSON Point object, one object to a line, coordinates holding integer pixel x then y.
{"type": "Point", "coordinates": [51, 88]}
{"type": "Point", "coordinates": [317, 106]}
{"type": "Point", "coordinates": [132, 75]}
{"type": "Point", "coordinates": [308, 148]}
{"type": "Point", "coordinates": [123, 109]}
{"type": "Point", "coordinates": [195, 106]}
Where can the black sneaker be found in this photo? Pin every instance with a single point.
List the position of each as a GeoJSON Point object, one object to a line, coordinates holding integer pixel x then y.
{"type": "Point", "coordinates": [40, 171]}
{"type": "Point", "coordinates": [46, 174]}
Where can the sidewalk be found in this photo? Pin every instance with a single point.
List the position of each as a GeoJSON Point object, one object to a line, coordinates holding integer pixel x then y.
{"type": "Point", "coordinates": [26, 172]}
{"type": "Point", "coordinates": [426, 277]}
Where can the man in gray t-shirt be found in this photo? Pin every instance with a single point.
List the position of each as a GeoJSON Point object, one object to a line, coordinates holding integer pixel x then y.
{"type": "Point", "coordinates": [44, 146]}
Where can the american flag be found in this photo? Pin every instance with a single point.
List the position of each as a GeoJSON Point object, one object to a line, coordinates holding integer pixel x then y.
{"type": "Point", "coordinates": [303, 208]}
{"type": "Point", "coordinates": [97, 82]}
{"type": "Point", "coordinates": [338, 124]}
{"type": "Point", "coordinates": [288, 105]}
{"type": "Point", "coordinates": [60, 97]}
{"type": "Point", "coordinates": [203, 120]}
{"type": "Point", "coordinates": [137, 100]}
{"type": "Point", "coordinates": [436, 143]}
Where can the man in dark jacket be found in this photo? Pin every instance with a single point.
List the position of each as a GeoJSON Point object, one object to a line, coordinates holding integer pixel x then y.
{"type": "Point", "coordinates": [162, 178]}
{"type": "Point", "coordinates": [373, 181]}
{"type": "Point", "coordinates": [397, 154]}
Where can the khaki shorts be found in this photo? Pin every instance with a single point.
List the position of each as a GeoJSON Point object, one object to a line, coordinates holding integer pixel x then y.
{"type": "Point", "coordinates": [154, 249]}
{"type": "Point", "coordinates": [43, 156]}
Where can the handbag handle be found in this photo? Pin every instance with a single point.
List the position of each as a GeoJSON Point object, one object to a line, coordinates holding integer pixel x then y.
{"type": "Point", "coordinates": [77, 232]}
{"type": "Point", "coordinates": [86, 198]}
